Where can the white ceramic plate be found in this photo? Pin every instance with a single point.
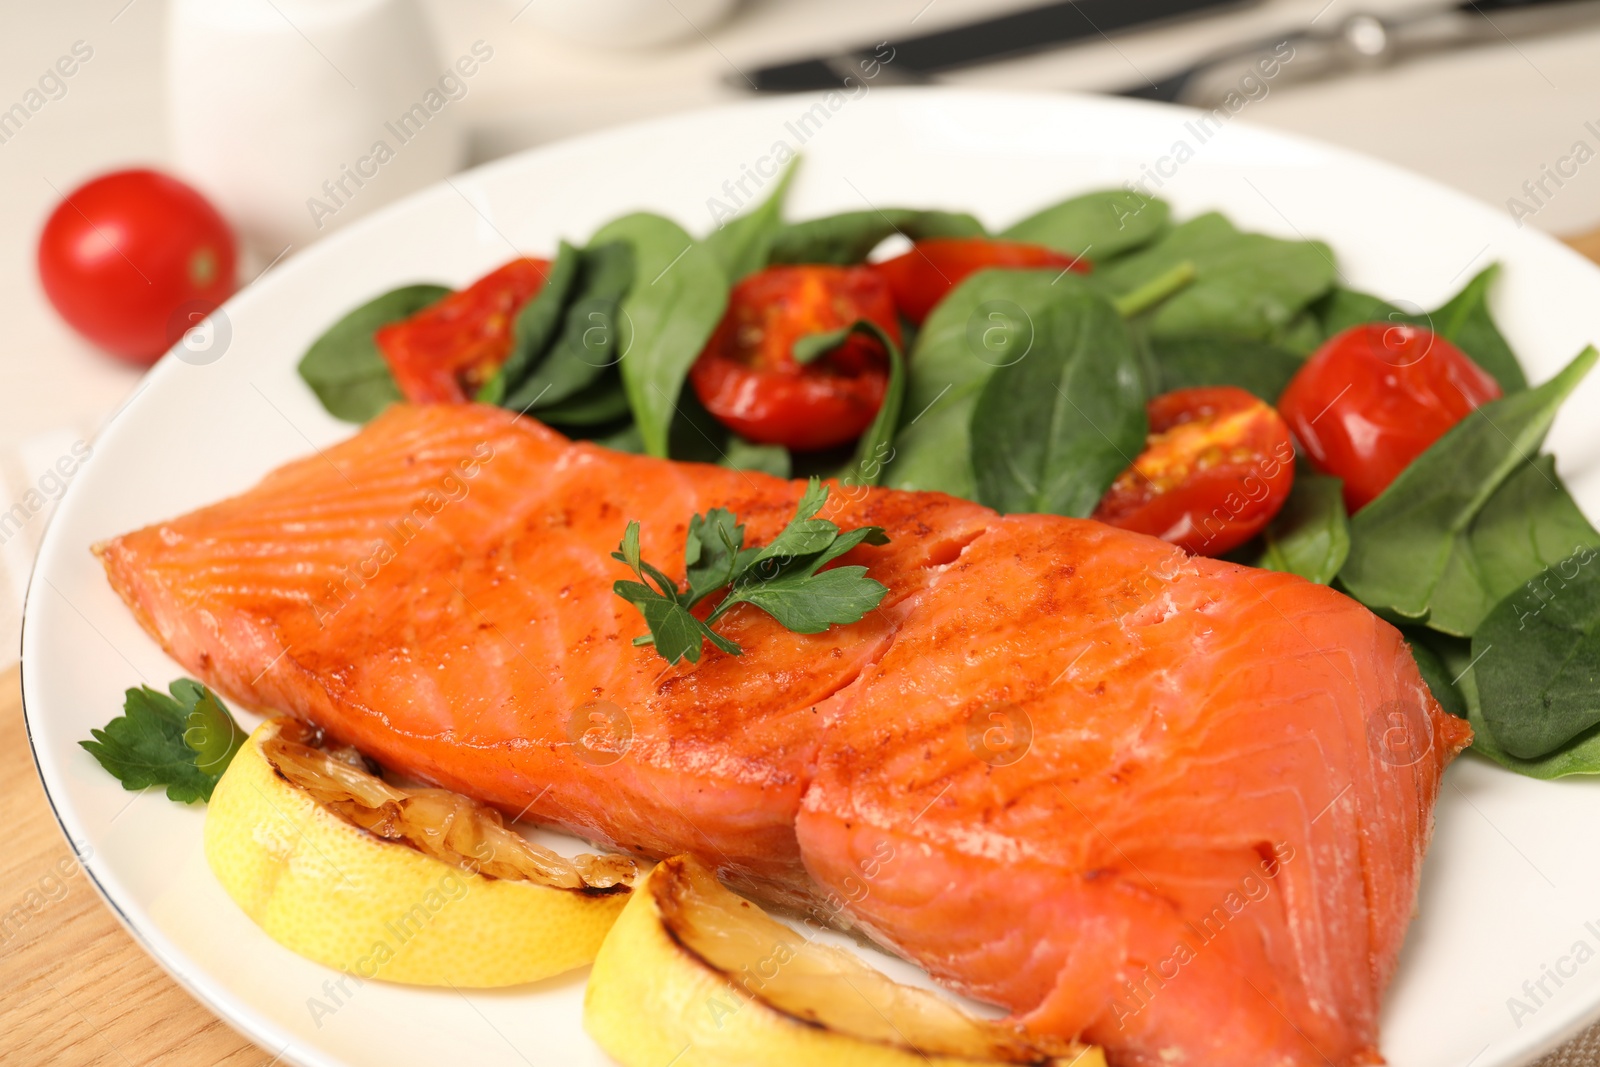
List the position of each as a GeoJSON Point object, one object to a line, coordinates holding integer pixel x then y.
{"type": "Point", "coordinates": [1512, 882]}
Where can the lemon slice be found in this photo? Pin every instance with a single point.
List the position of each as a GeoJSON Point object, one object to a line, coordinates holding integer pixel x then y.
{"type": "Point", "coordinates": [695, 976]}
{"type": "Point", "coordinates": [421, 886]}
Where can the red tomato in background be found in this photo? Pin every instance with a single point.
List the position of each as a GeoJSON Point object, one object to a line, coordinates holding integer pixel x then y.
{"type": "Point", "coordinates": [1374, 397]}
{"type": "Point", "coordinates": [923, 276]}
{"type": "Point", "coordinates": [1217, 467]}
{"type": "Point", "coordinates": [747, 376]}
{"type": "Point", "coordinates": [446, 352]}
{"type": "Point", "coordinates": [133, 259]}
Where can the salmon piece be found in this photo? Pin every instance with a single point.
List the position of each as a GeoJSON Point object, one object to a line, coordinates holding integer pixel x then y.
{"type": "Point", "coordinates": [437, 592]}
{"type": "Point", "coordinates": [1153, 800]}
{"type": "Point", "coordinates": [1171, 804]}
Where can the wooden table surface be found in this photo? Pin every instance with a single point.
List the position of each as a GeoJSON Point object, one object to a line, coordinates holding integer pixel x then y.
{"type": "Point", "coordinates": [75, 989]}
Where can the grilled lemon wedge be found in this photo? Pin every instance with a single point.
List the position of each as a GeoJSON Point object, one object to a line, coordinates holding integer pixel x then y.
{"type": "Point", "coordinates": [421, 886]}
{"type": "Point", "coordinates": [695, 976]}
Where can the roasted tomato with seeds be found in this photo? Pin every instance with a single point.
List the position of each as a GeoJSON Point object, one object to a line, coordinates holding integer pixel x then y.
{"type": "Point", "coordinates": [1218, 465]}
{"type": "Point", "coordinates": [925, 275]}
{"type": "Point", "coordinates": [748, 378]}
{"type": "Point", "coordinates": [444, 353]}
{"type": "Point", "coordinates": [1374, 397]}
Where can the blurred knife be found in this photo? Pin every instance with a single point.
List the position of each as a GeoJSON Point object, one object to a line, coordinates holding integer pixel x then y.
{"type": "Point", "coordinates": [1035, 29]}
{"type": "Point", "coordinates": [1361, 41]}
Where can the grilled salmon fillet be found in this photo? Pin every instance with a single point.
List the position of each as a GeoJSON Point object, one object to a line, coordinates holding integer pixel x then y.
{"type": "Point", "coordinates": [1173, 805]}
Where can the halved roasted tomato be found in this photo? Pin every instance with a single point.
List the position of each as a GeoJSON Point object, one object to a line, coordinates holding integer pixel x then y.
{"type": "Point", "coordinates": [1218, 465]}
{"type": "Point", "coordinates": [922, 277]}
{"type": "Point", "coordinates": [446, 351]}
{"type": "Point", "coordinates": [748, 378]}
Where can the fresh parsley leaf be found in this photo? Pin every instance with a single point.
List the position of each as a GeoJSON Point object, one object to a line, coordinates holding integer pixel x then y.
{"type": "Point", "coordinates": [183, 741]}
{"type": "Point", "coordinates": [810, 603]}
{"type": "Point", "coordinates": [781, 579]}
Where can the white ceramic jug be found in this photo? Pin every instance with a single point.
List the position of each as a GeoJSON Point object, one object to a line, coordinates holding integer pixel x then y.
{"type": "Point", "coordinates": [296, 116]}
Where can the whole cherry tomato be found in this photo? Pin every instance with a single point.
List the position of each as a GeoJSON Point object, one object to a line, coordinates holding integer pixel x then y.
{"type": "Point", "coordinates": [748, 378]}
{"type": "Point", "coordinates": [133, 259]}
{"type": "Point", "coordinates": [923, 276]}
{"type": "Point", "coordinates": [444, 353]}
{"type": "Point", "coordinates": [1374, 397]}
{"type": "Point", "coordinates": [1218, 465]}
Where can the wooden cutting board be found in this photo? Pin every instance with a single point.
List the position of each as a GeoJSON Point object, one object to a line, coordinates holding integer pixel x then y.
{"type": "Point", "coordinates": [75, 988]}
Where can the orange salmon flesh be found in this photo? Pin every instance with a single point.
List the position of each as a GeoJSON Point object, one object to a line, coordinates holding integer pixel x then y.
{"type": "Point", "coordinates": [1170, 805]}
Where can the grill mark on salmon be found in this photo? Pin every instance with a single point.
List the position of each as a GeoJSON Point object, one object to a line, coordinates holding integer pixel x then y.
{"type": "Point", "coordinates": [1195, 765]}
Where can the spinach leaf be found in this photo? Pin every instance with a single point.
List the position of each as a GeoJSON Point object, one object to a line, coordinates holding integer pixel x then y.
{"type": "Point", "coordinates": [1301, 337]}
{"type": "Point", "coordinates": [985, 322]}
{"type": "Point", "coordinates": [847, 238]}
{"type": "Point", "coordinates": [1097, 226]}
{"type": "Point", "coordinates": [1310, 536]}
{"type": "Point", "coordinates": [933, 452]}
{"type": "Point", "coordinates": [874, 448]}
{"type": "Point", "coordinates": [1413, 545]}
{"type": "Point", "coordinates": [1343, 308]}
{"type": "Point", "coordinates": [590, 331]}
{"type": "Point", "coordinates": [742, 455]}
{"type": "Point", "coordinates": [741, 245]}
{"type": "Point", "coordinates": [1247, 285]}
{"type": "Point", "coordinates": [599, 403]}
{"type": "Point", "coordinates": [1052, 430]}
{"type": "Point", "coordinates": [1529, 523]}
{"type": "Point", "coordinates": [1537, 665]}
{"type": "Point", "coordinates": [1466, 322]}
{"type": "Point", "coordinates": [1581, 755]}
{"type": "Point", "coordinates": [1440, 665]}
{"type": "Point", "coordinates": [677, 298]}
{"type": "Point", "coordinates": [1258, 367]}
{"type": "Point", "coordinates": [344, 367]}
{"type": "Point", "coordinates": [535, 325]}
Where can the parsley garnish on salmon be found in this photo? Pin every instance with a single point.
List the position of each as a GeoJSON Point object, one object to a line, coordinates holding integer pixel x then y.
{"type": "Point", "coordinates": [785, 579]}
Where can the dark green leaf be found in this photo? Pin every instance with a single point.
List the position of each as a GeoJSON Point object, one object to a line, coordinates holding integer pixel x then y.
{"type": "Point", "coordinates": [986, 322]}
{"type": "Point", "coordinates": [1438, 676]}
{"type": "Point", "coordinates": [1466, 322]}
{"type": "Point", "coordinates": [1246, 285]}
{"type": "Point", "coordinates": [1051, 431]}
{"type": "Point", "coordinates": [535, 326]}
{"type": "Point", "coordinates": [605, 401]}
{"type": "Point", "coordinates": [590, 333]}
{"type": "Point", "coordinates": [184, 741]}
{"type": "Point", "coordinates": [742, 455]}
{"type": "Point", "coordinates": [1418, 533]}
{"type": "Point", "coordinates": [674, 304]}
{"type": "Point", "coordinates": [1537, 659]}
{"type": "Point", "coordinates": [1529, 523]}
{"type": "Point", "coordinates": [741, 245]}
{"type": "Point", "coordinates": [1310, 536]}
{"type": "Point", "coordinates": [712, 550]}
{"type": "Point", "coordinates": [1343, 308]}
{"type": "Point", "coordinates": [210, 732]}
{"type": "Point", "coordinates": [1581, 755]}
{"type": "Point", "coordinates": [848, 238]}
{"type": "Point", "coordinates": [1258, 367]}
{"type": "Point", "coordinates": [874, 448]}
{"type": "Point", "coordinates": [1097, 226]}
{"type": "Point", "coordinates": [809, 604]}
{"type": "Point", "coordinates": [344, 367]}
